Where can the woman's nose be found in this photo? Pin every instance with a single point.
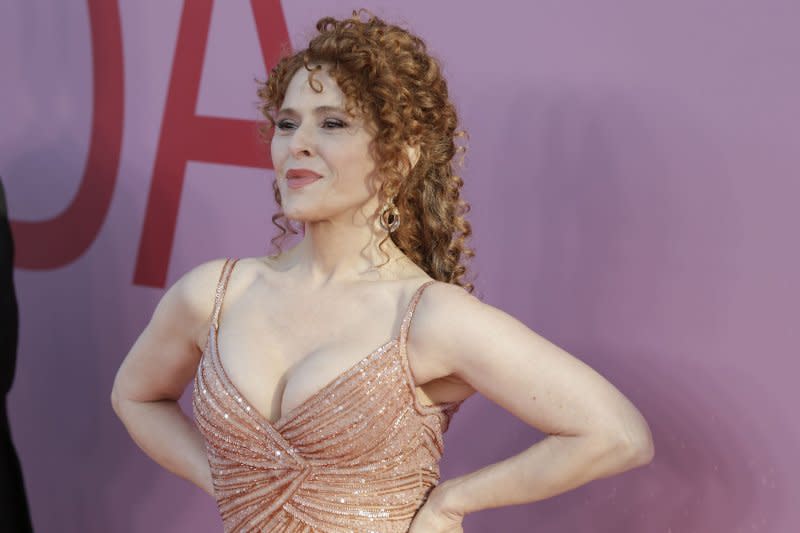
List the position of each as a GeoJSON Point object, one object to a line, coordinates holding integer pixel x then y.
{"type": "Point", "coordinates": [302, 141]}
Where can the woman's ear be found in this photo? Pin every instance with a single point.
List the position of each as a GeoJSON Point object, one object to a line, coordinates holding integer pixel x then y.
{"type": "Point", "coordinates": [413, 155]}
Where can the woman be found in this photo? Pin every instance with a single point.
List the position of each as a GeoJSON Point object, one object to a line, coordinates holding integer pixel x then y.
{"type": "Point", "coordinates": [296, 428]}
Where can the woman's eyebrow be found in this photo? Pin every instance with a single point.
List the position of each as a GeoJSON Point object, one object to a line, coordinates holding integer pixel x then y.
{"type": "Point", "coordinates": [317, 110]}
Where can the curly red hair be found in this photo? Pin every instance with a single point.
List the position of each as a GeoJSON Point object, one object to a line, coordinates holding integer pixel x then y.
{"type": "Point", "coordinates": [387, 74]}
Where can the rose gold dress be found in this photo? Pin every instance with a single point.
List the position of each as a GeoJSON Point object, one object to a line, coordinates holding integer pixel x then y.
{"type": "Point", "coordinates": [359, 455]}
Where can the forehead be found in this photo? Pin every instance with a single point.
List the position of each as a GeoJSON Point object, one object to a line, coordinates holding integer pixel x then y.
{"type": "Point", "coordinates": [299, 90]}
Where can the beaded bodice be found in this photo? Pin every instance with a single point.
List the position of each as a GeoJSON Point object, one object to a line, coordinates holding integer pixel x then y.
{"type": "Point", "coordinates": [359, 455]}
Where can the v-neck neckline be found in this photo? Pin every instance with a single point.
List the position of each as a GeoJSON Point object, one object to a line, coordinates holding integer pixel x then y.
{"type": "Point", "coordinates": [292, 413]}
{"type": "Point", "coordinates": [397, 341]}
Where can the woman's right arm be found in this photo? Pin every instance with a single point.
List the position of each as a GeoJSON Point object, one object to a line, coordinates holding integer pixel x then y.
{"type": "Point", "coordinates": [156, 371]}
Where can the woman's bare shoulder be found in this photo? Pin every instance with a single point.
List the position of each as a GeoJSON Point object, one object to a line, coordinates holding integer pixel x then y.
{"type": "Point", "coordinates": [196, 287]}
{"type": "Point", "coordinates": [447, 297]}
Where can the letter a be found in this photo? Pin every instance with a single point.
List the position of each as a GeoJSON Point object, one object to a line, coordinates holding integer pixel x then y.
{"type": "Point", "coordinates": [186, 136]}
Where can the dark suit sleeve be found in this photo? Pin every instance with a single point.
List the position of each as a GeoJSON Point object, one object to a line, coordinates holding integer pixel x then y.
{"type": "Point", "coordinates": [14, 515]}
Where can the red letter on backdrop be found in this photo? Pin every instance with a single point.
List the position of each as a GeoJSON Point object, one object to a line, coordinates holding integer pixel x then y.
{"type": "Point", "coordinates": [186, 136]}
{"type": "Point", "coordinates": [56, 242]}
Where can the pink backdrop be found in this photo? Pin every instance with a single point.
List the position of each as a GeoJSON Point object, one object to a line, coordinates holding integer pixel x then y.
{"type": "Point", "coordinates": [633, 172]}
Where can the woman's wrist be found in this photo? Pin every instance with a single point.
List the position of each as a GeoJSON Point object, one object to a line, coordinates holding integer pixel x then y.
{"type": "Point", "coordinates": [443, 499]}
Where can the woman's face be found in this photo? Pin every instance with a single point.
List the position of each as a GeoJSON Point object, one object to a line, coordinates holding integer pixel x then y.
{"type": "Point", "coordinates": [313, 132]}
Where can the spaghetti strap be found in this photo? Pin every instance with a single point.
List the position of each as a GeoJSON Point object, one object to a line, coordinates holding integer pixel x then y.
{"type": "Point", "coordinates": [409, 313]}
{"type": "Point", "coordinates": [222, 285]}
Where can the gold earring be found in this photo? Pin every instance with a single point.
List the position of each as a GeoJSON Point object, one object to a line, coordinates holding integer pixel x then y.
{"type": "Point", "coordinates": [393, 217]}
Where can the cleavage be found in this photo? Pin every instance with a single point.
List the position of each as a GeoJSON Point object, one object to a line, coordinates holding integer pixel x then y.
{"type": "Point", "coordinates": [272, 379]}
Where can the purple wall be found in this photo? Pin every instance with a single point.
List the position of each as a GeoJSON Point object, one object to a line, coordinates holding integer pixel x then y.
{"type": "Point", "coordinates": [633, 171]}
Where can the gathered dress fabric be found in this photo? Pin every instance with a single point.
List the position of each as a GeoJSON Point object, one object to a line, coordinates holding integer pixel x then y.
{"type": "Point", "coordinates": [360, 455]}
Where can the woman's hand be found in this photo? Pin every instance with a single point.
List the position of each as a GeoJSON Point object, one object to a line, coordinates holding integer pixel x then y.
{"type": "Point", "coordinates": [435, 517]}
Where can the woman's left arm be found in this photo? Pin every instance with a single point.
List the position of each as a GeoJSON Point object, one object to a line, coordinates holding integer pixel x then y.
{"type": "Point", "coordinates": [593, 430]}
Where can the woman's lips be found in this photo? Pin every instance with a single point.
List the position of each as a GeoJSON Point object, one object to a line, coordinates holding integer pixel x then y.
{"type": "Point", "coordinates": [300, 177]}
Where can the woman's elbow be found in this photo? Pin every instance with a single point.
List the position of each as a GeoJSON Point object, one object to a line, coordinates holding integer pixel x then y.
{"type": "Point", "coordinates": [646, 451]}
{"type": "Point", "coordinates": [634, 441]}
{"type": "Point", "coordinates": [641, 447]}
{"type": "Point", "coordinates": [118, 396]}
{"type": "Point", "coordinates": [116, 401]}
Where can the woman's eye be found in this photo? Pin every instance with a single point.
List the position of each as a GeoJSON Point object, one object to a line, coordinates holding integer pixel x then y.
{"type": "Point", "coordinates": [330, 123]}
{"type": "Point", "coordinates": [333, 123]}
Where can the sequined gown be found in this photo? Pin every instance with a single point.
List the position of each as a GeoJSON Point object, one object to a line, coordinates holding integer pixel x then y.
{"type": "Point", "coordinates": [359, 455]}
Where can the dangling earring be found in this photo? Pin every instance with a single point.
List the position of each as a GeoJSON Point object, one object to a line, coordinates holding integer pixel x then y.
{"type": "Point", "coordinates": [393, 217]}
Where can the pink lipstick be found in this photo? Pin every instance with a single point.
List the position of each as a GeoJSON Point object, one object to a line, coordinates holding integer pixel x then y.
{"type": "Point", "coordinates": [300, 177]}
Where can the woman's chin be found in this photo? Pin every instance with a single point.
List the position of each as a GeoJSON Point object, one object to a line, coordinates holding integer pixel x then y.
{"type": "Point", "coordinates": [300, 216]}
